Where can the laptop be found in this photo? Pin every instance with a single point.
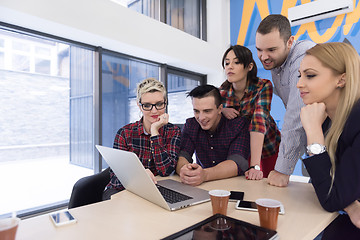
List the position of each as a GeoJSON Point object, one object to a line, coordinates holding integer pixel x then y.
{"type": "Point", "coordinates": [131, 173]}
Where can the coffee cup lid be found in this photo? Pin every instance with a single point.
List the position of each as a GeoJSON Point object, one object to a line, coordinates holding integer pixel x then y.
{"type": "Point", "coordinates": [267, 202]}
{"type": "Point", "coordinates": [219, 193]}
{"type": "Point", "coordinates": [7, 223]}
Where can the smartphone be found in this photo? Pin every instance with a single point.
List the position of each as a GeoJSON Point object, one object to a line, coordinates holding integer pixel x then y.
{"type": "Point", "coordinates": [236, 196]}
{"type": "Point", "coordinates": [62, 218]}
{"type": "Point", "coordinates": [251, 206]}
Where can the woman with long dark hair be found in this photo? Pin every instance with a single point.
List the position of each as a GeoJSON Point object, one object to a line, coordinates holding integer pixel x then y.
{"type": "Point", "coordinates": [245, 94]}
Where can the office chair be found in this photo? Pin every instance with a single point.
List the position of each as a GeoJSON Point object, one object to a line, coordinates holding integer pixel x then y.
{"type": "Point", "coordinates": [88, 190]}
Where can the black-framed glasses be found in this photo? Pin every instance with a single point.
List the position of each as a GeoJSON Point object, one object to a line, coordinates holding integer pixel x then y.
{"type": "Point", "coordinates": [149, 106]}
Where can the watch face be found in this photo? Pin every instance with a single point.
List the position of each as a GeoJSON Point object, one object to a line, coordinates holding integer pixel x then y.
{"type": "Point", "coordinates": [316, 148]}
{"type": "Point", "coordinates": [257, 167]}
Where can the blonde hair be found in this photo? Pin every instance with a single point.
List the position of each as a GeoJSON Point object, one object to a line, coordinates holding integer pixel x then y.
{"type": "Point", "coordinates": [340, 58]}
{"type": "Point", "coordinates": [149, 85]}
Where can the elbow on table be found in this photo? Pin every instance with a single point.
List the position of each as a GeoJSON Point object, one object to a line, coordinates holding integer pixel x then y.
{"type": "Point", "coordinates": [331, 206]}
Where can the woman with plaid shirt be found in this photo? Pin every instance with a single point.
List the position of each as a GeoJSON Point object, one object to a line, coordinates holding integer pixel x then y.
{"type": "Point", "coordinates": [244, 94]}
{"type": "Point", "coordinates": [153, 139]}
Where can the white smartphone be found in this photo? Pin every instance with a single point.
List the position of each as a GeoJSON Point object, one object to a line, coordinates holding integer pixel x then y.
{"type": "Point", "coordinates": [62, 218]}
{"type": "Point", "coordinates": [251, 206]}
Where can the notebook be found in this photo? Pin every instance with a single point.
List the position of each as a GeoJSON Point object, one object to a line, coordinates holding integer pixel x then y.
{"type": "Point", "coordinates": [131, 173]}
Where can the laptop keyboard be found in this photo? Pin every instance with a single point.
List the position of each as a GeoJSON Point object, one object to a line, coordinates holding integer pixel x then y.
{"type": "Point", "coordinates": [172, 196]}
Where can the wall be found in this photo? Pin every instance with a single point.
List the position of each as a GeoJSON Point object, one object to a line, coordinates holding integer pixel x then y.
{"type": "Point", "coordinates": [112, 26]}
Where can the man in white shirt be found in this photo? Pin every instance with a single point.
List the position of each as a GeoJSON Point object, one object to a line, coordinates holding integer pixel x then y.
{"type": "Point", "coordinates": [280, 53]}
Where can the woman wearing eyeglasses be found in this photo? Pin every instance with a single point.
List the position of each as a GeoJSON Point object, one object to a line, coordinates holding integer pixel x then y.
{"type": "Point", "coordinates": [153, 139]}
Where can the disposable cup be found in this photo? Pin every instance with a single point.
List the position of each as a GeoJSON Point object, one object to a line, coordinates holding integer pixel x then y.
{"type": "Point", "coordinates": [268, 212]}
{"type": "Point", "coordinates": [8, 228]}
{"type": "Point", "coordinates": [219, 201]}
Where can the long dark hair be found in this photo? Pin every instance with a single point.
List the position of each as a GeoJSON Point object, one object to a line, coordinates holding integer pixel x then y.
{"type": "Point", "coordinates": [244, 55]}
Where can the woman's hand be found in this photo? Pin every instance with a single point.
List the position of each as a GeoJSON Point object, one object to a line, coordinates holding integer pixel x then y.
{"type": "Point", "coordinates": [353, 210]}
{"type": "Point", "coordinates": [230, 113]}
{"type": "Point", "coordinates": [151, 175]}
{"type": "Point", "coordinates": [254, 174]}
{"type": "Point", "coordinates": [162, 120]}
{"type": "Point", "coordinates": [312, 116]}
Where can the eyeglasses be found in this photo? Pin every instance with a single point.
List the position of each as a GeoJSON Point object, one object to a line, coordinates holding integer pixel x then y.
{"type": "Point", "coordinates": [149, 106]}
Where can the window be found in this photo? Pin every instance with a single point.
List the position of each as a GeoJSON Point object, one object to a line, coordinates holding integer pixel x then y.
{"type": "Point", "coordinates": [45, 129]}
{"type": "Point", "coordinates": [42, 66]}
{"type": "Point", "coordinates": [21, 46]}
{"type": "Point", "coordinates": [20, 63]}
{"type": "Point", "coordinates": [2, 60]}
{"type": "Point", "coordinates": [42, 51]}
{"type": "Point", "coordinates": [186, 15]}
{"type": "Point", "coordinates": [150, 8]}
{"type": "Point", "coordinates": [120, 76]}
{"type": "Point", "coordinates": [179, 83]}
{"type": "Point", "coordinates": [82, 107]}
{"type": "Point", "coordinates": [51, 120]}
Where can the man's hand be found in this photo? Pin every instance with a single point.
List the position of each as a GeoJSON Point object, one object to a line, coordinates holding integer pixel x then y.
{"type": "Point", "coordinates": [278, 179]}
{"type": "Point", "coordinates": [254, 174]}
{"type": "Point", "coordinates": [192, 174]}
{"type": "Point", "coordinates": [354, 213]}
{"type": "Point", "coordinates": [151, 175]}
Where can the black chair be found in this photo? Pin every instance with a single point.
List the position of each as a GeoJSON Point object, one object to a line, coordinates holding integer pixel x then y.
{"type": "Point", "coordinates": [88, 190]}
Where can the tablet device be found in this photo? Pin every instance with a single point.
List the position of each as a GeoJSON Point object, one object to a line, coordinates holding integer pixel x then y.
{"type": "Point", "coordinates": [222, 227]}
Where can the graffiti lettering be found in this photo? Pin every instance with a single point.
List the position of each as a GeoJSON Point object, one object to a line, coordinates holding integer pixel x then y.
{"type": "Point", "coordinates": [310, 28]}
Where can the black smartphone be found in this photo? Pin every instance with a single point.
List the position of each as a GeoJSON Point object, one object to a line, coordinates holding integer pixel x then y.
{"type": "Point", "coordinates": [236, 196]}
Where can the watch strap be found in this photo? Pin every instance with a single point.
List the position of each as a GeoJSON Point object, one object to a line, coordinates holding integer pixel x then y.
{"type": "Point", "coordinates": [252, 167]}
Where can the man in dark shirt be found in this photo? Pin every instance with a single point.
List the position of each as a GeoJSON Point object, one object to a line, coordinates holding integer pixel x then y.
{"type": "Point", "coordinates": [221, 145]}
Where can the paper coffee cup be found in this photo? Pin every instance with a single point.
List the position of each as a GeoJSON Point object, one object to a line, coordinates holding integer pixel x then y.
{"type": "Point", "coordinates": [219, 201]}
{"type": "Point", "coordinates": [8, 228]}
{"type": "Point", "coordinates": [268, 212]}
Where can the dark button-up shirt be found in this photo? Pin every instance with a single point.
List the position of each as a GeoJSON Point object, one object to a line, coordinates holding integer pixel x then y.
{"type": "Point", "coordinates": [230, 141]}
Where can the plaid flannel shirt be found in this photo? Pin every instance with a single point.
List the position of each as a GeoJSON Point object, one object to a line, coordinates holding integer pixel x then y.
{"type": "Point", "coordinates": [157, 153]}
{"type": "Point", "coordinates": [256, 105]}
{"type": "Point", "coordinates": [230, 141]}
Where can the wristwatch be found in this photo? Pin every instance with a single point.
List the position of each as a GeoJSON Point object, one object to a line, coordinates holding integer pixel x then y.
{"type": "Point", "coordinates": [315, 149]}
{"type": "Point", "coordinates": [256, 167]}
